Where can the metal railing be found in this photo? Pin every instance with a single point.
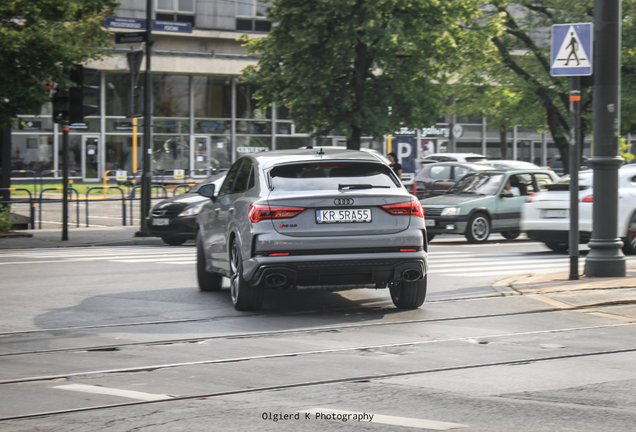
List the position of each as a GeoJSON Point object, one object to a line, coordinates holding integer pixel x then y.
{"type": "Point", "coordinates": [30, 202]}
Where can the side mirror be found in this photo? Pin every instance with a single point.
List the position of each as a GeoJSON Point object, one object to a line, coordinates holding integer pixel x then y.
{"type": "Point", "coordinates": [506, 195]}
{"type": "Point", "coordinates": [208, 191]}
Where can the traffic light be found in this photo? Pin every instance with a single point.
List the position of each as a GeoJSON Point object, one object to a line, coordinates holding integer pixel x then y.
{"type": "Point", "coordinates": [135, 95]}
{"type": "Point", "coordinates": [60, 101]}
{"type": "Point", "coordinates": [84, 97]}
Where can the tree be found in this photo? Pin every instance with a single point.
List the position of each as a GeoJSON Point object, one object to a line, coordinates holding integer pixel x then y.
{"type": "Point", "coordinates": [523, 64]}
{"type": "Point", "coordinates": [38, 40]}
{"type": "Point", "coordinates": [354, 67]}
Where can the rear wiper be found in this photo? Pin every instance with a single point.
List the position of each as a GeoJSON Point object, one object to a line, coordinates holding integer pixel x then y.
{"type": "Point", "coordinates": [359, 186]}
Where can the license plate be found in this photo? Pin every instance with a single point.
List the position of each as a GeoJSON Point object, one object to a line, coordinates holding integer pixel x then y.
{"type": "Point", "coordinates": [429, 222]}
{"type": "Point", "coordinates": [343, 216]}
{"type": "Point", "coordinates": [554, 214]}
{"type": "Point", "coordinates": [161, 222]}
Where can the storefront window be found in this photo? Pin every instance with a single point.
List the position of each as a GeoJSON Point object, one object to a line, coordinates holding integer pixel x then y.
{"type": "Point", "coordinates": [117, 91]}
{"type": "Point", "coordinates": [170, 152]}
{"type": "Point", "coordinates": [31, 152]}
{"type": "Point", "coordinates": [74, 155]}
{"type": "Point", "coordinates": [284, 143]}
{"type": "Point", "coordinates": [119, 154]}
{"type": "Point", "coordinates": [171, 95]}
{"type": "Point", "coordinates": [171, 126]}
{"type": "Point", "coordinates": [252, 144]}
{"type": "Point", "coordinates": [212, 97]}
{"type": "Point", "coordinates": [246, 105]}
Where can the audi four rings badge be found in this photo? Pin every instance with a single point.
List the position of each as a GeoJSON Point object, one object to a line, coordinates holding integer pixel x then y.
{"type": "Point", "coordinates": [343, 201]}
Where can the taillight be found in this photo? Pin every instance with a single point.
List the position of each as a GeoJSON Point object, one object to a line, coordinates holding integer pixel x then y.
{"type": "Point", "coordinates": [258, 212]}
{"type": "Point", "coordinates": [405, 209]}
{"type": "Point", "coordinates": [588, 198]}
{"type": "Point", "coordinates": [530, 197]}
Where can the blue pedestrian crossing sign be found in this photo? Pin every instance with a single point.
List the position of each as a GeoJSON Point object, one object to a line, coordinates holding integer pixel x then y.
{"type": "Point", "coordinates": [571, 49]}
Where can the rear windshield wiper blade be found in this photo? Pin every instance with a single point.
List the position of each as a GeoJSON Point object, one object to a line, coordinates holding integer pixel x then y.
{"type": "Point", "coordinates": [359, 186]}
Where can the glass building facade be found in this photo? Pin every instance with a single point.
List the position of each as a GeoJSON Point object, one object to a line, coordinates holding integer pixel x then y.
{"type": "Point", "coordinates": [205, 122]}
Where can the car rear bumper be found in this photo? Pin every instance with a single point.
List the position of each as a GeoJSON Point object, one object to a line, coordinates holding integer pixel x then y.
{"type": "Point", "coordinates": [557, 237]}
{"type": "Point", "coordinates": [447, 225]}
{"type": "Point", "coordinates": [335, 270]}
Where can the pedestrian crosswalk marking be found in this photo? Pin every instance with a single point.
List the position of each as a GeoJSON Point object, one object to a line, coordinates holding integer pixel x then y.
{"type": "Point", "coordinates": [452, 263]}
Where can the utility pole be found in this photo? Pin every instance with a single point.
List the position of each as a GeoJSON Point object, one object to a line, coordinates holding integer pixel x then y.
{"type": "Point", "coordinates": [147, 174]}
{"type": "Point", "coordinates": [605, 258]}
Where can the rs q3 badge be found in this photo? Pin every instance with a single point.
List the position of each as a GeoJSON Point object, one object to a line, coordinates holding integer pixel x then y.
{"type": "Point", "coordinates": [343, 201]}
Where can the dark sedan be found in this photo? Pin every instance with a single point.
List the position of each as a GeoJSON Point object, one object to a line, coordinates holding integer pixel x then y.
{"type": "Point", "coordinates": [437, 178]}
{"type": "Point", "coordinates": [173, 219]}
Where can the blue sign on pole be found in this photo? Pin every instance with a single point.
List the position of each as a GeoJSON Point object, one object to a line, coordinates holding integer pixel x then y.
{"type": "Point", "coordinates": [125, 23]}
{"type": "Point", "coordinates": [572, 49]}
{"type": "Point", "coordinates": [140, 24]}
{"type": "Point", "coordinates": [170, 26]}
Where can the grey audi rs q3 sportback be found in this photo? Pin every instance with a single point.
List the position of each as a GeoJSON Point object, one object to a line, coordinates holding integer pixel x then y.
{"type": "Point", "coordinates": [311, 218]}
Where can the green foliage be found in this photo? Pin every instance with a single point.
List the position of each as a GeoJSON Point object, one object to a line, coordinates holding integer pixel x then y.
{"type": "Point", "coordinates": [5, 219]}
{"type": "Point", "coordinates": [365, 66]}
{"type": "Point", "coordinates": [515, 86]}
{"type": "Point", "coordinates": [623, 149]}
{"type": "Point", "coordinates": [38, 39]}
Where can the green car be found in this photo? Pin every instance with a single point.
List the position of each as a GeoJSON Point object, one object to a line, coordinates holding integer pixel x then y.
{"type": "Point", "coordinates": [483, 202]}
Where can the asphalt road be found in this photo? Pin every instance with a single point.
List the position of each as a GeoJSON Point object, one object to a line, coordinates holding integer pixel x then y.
{"type": "Point", "coordinates": [120, 339]}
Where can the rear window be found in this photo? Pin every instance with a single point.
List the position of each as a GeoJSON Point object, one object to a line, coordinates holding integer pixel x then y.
{"type": "Point", "coordinates": [329, 176]}
{"type": "Point", "coordinates": [475, 158]}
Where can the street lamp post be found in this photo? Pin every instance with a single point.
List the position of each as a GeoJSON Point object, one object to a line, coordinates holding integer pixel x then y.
{"type": "Point", "coordinates": [605, 258]}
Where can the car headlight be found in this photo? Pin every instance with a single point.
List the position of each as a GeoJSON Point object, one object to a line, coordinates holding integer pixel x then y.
{"type": "Point", "coordinates": [192, 211]}
{"type": "Point", "coordinates": [450, 211]}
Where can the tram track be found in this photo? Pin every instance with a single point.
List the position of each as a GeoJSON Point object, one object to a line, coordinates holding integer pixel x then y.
{"type": "Point", "coordinates": [324, 329]}
{"type": "Point", "coordinates": [154, 367]}
{"type": "Point", "coordinates": [360, 378]}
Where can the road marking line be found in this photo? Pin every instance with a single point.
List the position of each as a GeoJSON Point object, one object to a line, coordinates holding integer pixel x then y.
{"type": "Point", "coordinates": [158, 260]}
{"type": "Point", "coordinates": [551, 301]}
{"type": "Point", "coordinates": [338, 415]}
{"type": "Point", "coordinates": [130, 394]}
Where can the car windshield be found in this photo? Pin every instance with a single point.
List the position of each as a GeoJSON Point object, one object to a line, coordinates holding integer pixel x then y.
{"type": "Point", "coordinates": [478, 184]}
{"type": "Point", "coordinates": [331, 176]}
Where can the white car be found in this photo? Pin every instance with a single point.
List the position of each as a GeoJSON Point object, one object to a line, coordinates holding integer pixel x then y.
{"type": "Point", "coordinates": [510, 164]}
{"type": "Point", "coordinates": [545, 217]}
{"type": "Point", "coordinates": [455, 157]}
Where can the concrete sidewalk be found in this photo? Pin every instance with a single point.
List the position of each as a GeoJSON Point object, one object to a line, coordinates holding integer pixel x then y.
{"type": "Point", "coordinates": [51, 238]}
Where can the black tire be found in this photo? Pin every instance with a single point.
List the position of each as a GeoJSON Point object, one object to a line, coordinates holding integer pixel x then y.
{"type": "Point", "coordinates": [207, 281]}
{"type": "Point", "coordinates": [558, 247]}
{"type": "Point", "coordinates": [629, 248]}
{"type": "Point", "coordinates": [430, 237]}
{"type": "Point", "coordinates": [244, 296]}
{"type": "Point", "coordinates": [173, 241]}
{"type": "Point", "coordinates": [478, 229]}
{"type": "Point", "coordinates": [511, 235]}
{"type": "Point", "coordinates": [409, 295]}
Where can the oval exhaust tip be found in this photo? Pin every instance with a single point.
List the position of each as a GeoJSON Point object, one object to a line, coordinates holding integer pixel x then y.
{"type": "Point", "coordinates": [411, 275]}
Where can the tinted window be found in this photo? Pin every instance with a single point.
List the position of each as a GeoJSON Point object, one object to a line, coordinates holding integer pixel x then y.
{"type": "Point", "coordinates": [242, 177]}
{"type": "Point", "coordinates": [460, 172]}
{"type": "Point", "coordinates": [226, 187]}
{"type": "Point", "coordinates": [321, 176]}
{"type": "Point", "coordinates": [475, 158]}
{"type": "Point", "coordinates": [440, 172]}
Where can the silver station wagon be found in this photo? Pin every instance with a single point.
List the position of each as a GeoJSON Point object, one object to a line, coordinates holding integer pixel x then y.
{"type": "Point", "coordinates": [311, 218]}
